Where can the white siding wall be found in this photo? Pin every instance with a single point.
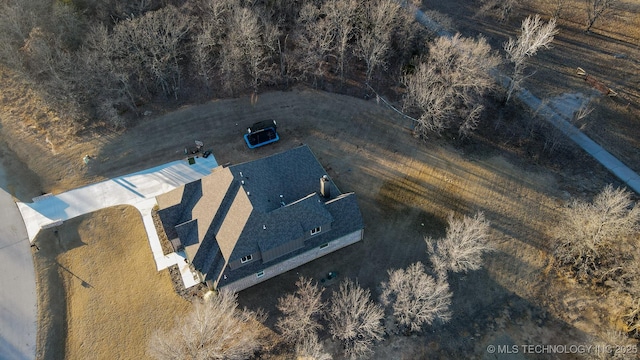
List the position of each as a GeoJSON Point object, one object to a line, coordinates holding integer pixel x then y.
{"type": "Point", "coordinates": [293, 263]}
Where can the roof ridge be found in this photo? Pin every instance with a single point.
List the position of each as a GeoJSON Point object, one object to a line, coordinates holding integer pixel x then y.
{"type": "Point", "coordinates": [301, 199]}
{"type": "Point", "coordinates": [341, 196]}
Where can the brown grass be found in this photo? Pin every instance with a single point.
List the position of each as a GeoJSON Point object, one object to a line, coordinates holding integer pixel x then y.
{"type": "Point", "coordinates": [405, 189]}
{"type": "Point", "coordinates": [100, 296]}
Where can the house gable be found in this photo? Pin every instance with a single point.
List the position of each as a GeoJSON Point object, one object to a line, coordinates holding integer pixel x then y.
{"type": "Point", "coordinates": [255, 215]}
{"type": "Point", "coordinates": [189, 220]}
{"type": "Point", "coordinates": [347, 224]}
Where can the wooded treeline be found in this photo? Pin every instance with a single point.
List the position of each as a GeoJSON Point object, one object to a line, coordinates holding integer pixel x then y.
{"type": "Point", "coordinates": [103, 59]}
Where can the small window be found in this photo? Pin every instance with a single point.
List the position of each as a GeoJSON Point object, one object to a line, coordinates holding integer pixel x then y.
{"type": "Point", "coordinates": [260, 274]}
{"type": "Point", "coordinates": [245, 259]}
{"type": "Point", "coordinates": [324, 245]}
{"type": "Point", "coordinates": [316, 230]}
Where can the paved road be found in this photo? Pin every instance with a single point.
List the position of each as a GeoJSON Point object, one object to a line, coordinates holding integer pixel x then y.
{"type": "Point", "coordinates": [18, 311]}
{"type": "Point", "coordinates": [558, 115]}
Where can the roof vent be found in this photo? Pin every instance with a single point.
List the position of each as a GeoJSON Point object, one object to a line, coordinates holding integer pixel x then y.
{"type": "Point", "coordinates": [264, 227]}
{"type": "Point", "coordinates": [324, 186]}
{"type": "Point", "coordinates": [242, 182]}
{"type": "Point", "coordinates": [248, 193]}
{"type": "Point", "coordinates": [240, 173]}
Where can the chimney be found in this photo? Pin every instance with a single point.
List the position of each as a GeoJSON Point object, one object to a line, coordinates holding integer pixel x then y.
{"type": "Point", "coordinates": [324, 186]}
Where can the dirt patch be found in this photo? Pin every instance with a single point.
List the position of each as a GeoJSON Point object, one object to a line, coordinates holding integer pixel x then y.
{"type": "Point", "coordinates": [99, 293]}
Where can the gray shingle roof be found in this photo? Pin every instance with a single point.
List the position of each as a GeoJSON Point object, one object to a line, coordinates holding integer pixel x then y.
{"type": "Point", "coordinates": [257, 206]}
{"type": "Point", "coordinates": [346, 219]}
{"type": "Point", "coordinates": [293, 174]}
{"type": "Point", "coordinates": [287, 223]}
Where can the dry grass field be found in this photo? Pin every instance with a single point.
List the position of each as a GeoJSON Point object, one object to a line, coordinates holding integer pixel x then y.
{"type": "Point", "coordinates": [100, 296]}
{"type": "Point", "coordinates": [405, 188]}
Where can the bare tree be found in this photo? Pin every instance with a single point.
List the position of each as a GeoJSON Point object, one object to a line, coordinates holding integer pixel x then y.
{"type": "Point", "coordinates": [149, 48]}
{"type": "Point", "coordinates": [378, 20]}
{"type": "Point", "coordinates": [447, 87]}
{"type": "Point", "coordinates": [105, 84]}
{"type": "Point", "coordinates": [17, 20]}
{"type": "Point", "coordinates": [42, 50]}
{"type": "Point", "coordinates": [301, 311]}
{"type": "Point", "coordinates": [589, 235]}
{"type": "Point", "coordinates": [314, 40]}
{"type": "Point", "coordinates": [597, 9]}
{"type": "Point", "coordinates": [341, 14]}
{"type": "Point", "coordinates": [215, 329]}
{"type": "Point", "coordinates": [354, 319]}
{"type": "Point", "coordinates": [534, 35]}
{"type": "Point", "coordinates": [210, 34]}
{"type": "Point", "coordinates": [119, 10]}
{"type": "Point", "coordinates": [69, 24]}
{"type": "Point", "coordinates": [462, 248]}
{"type": "Point", "coordinates": [309, 348]}
{"type": "Point", "coordinates": [416, 298]}
{"type": "Point", "coordinates": [499, 8]}
{"type": "Point", "coordinates": [247, 48]}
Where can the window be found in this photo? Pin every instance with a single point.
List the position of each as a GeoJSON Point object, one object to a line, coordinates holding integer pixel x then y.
{"type": "Point", "coordinates": [324, 245]}
{"type": "Point", "coordinates": [260, 274]}
{"type": "Point", "coordinates": [316, 230]}
{"type": "Point", "coordinates": [245, 259]}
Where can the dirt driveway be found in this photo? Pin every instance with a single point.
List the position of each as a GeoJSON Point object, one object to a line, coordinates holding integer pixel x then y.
{"type": "Point", "coordinates": [405, 189]}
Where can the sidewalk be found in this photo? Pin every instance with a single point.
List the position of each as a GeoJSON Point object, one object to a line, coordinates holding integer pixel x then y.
{"type": "Point", "coordinates": [557, 116]}
{"type": "Point", "coordinates": [137, 189]}
{"type": "Point", "coordinates": [133, 189]}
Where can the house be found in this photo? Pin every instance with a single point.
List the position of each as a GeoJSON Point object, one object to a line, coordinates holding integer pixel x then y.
{"type": "Point", "coordinates": [246, 223]}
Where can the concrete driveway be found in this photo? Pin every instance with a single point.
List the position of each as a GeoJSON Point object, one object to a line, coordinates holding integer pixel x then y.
{"type": "Point", "coordinates": [18, 311]}
{"type": "Point", "coordinates": [20, 224]}
{"type": "Point", "coordinates": [138, 189]}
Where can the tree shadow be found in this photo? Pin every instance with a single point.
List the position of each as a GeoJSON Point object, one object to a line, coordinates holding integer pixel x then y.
{"type": "Point", "coordinates": [48, 245]}
{"type": "Point", "coordinates": [83, 282]}
{"type": "Point", "coordinates": [13, 174]}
